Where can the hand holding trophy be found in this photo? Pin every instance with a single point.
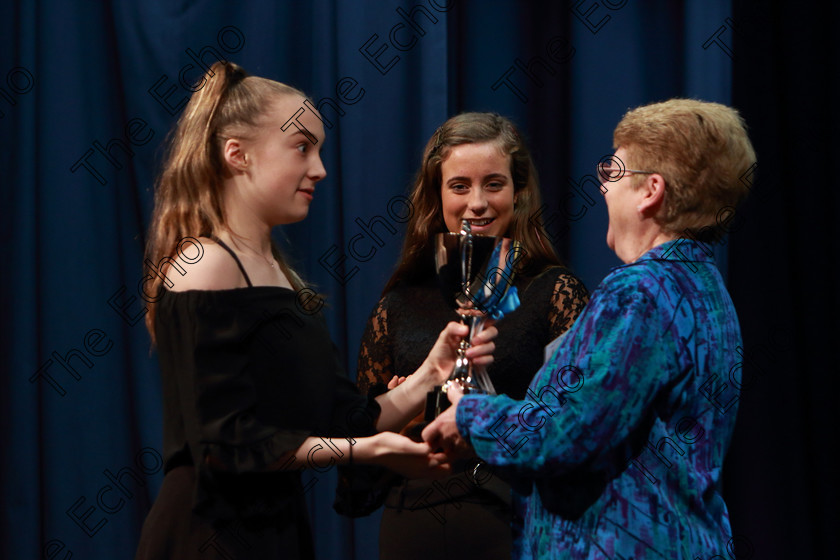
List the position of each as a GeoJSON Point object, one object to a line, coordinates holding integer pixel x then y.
{"type": "Point", "coordinates": [475, 273]}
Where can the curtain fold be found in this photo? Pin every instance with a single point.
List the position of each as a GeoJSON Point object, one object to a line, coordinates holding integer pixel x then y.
{"type": "Point", "coordinates": [783, 253]}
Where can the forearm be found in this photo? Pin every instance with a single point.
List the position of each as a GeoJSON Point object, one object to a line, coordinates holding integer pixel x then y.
{"type": "Point", "coordinates": [401, 404]}
{"type": "Point", "coordinates": [386, 449]}
{"type": "Point", "coordinates": [322, 453]}
{"type": "Point", "coordinates": [503, 433]}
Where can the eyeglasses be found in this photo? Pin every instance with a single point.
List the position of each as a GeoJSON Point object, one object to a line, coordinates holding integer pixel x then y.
{"type": "Point", "coordinates": [612, 174]}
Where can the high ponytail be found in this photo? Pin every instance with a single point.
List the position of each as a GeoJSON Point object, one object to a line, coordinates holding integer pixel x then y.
{"type": "Point", "coordinates": [188, 193]}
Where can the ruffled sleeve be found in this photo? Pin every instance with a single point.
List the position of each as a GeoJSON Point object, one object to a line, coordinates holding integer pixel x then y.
{"type": "Point", "coordinates": [232, 436]}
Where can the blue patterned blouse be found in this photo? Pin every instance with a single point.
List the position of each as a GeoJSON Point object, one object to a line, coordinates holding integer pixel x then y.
{"type": "Point", "coordinates": [617, 450]}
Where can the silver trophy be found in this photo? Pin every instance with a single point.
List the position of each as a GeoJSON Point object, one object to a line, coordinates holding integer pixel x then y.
{"type": "Point", "coordinates": [475, 273]}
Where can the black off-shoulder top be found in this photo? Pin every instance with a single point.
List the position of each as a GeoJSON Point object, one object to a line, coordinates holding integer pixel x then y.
{"type": "Point", "coordinates": [247, 376]}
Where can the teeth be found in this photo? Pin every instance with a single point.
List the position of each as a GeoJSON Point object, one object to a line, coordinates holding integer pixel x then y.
{"type": "Point", "coordinates": [481, 222]}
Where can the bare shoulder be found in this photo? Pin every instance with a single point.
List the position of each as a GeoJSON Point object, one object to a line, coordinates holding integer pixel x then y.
{"type": "Point", "coordinates": [214, 270]}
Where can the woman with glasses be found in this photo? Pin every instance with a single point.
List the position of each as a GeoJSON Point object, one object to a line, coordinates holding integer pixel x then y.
{"type": "Point", "coordinates": [620, 443]}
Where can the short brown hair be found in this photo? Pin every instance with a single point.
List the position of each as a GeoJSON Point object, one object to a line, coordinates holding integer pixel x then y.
{"type": "Point", "coordinates": [702, 151]}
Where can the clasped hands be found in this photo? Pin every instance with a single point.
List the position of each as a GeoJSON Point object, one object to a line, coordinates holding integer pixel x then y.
{"type": "Point", "coordinates": [442, 443]}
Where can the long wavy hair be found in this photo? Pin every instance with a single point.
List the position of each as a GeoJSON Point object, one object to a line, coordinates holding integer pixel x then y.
{"type": "Point", "coordinates": [427, 214]}
{"type": "Point", "coordinates": [188, 192]}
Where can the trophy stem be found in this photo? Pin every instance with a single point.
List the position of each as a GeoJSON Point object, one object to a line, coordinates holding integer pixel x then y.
{"type": "Point", "coordinates": [475, 275]}
{"type": "Point", "coordinates": [471, 377]}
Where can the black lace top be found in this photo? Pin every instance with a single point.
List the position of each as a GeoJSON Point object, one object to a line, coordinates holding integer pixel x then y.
{"type": "Point", "coordinates": [404, 326]}
{"type": "Point", "coordinates": [407, 321]}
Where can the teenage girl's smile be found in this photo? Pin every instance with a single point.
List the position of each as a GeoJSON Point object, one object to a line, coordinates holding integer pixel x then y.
{"type": "Point", "coordinates": [476, 185]}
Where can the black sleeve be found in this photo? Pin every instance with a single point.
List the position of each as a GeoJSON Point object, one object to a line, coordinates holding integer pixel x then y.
{"type": "Point", "coordinates": [255, 379]}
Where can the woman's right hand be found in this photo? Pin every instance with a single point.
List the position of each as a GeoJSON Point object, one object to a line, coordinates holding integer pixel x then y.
{"type": "Point", "coordinates": [443, 354]}
{"type": "Point", "coordinates": [407, 457]}
{"type": "Point", "coordinates": [406, 397]}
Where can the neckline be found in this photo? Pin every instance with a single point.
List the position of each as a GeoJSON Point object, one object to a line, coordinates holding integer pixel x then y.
{"type": "Point", "coordinates": [231, 290]}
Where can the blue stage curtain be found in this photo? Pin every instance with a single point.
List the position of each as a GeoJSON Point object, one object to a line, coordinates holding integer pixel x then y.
{"type": "Point", "coordinates": [781, 481]}
{"type": "Point", "coordinates": [82, 393]}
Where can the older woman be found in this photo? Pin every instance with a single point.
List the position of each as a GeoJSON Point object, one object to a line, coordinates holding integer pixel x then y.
{"type": "Point", "coordinates": [619, 444]}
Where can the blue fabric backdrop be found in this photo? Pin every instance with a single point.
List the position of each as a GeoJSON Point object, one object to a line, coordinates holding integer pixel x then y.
{"type": "Point", "coordinates": [88, 91]}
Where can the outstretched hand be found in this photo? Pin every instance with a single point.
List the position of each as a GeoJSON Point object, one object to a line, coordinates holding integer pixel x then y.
{"type": "Point", "coordinates": [443, 354]}
{"type": "Point", "coordinates": [409, 458]}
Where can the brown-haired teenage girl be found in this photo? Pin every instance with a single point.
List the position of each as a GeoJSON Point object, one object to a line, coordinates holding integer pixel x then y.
{"type": "Point", "coordinates": [476, 166]}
